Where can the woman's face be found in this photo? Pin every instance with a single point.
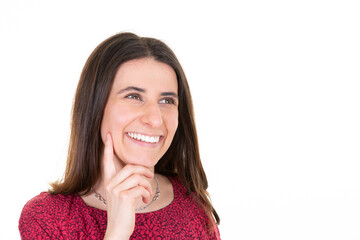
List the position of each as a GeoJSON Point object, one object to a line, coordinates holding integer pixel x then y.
{"type": "Point", "coordinates": [142, 111]}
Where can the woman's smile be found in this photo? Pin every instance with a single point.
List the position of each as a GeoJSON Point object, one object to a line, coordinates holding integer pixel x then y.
{"type": "Point", "coordinates": [144, 141]}
{"type": "Point", "coordinates": [144, 138]}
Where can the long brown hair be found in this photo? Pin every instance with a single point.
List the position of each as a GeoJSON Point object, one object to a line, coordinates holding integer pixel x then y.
{"type": "Point", "coordinates": [182, 159]}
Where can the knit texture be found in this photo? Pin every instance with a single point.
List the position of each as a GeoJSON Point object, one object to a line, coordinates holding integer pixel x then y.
{"type": "Point", "coordinates": [49, 216]}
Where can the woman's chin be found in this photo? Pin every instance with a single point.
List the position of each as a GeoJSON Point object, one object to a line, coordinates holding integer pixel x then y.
{"type": "Point", "coordinates": [148, 163]}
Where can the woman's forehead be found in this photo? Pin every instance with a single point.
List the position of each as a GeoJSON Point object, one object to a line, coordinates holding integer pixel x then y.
{"type": "Point", "coordinates": [145, 73]}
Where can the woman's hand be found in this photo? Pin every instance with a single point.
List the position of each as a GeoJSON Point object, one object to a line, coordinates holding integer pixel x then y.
{"type": "Point", "coordinates": [122, 189]}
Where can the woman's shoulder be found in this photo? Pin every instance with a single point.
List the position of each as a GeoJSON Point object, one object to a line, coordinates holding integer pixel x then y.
{"type": "Point", "coordinates": [46, 206]}
{"type": "Point", "coordinates": [183, 198]}
{"type": "Point", "coordinates": [45, 215]}
{"type": "Point", "coordinates": [186, 212]}
{"type": "Point", "coordinates": [46, 200]}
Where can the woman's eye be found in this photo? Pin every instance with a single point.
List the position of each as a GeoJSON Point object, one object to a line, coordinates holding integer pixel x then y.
{"type": "Point", "coordinates": [134, 96]}
{"type": "Point", "coordinates": [167, 101]}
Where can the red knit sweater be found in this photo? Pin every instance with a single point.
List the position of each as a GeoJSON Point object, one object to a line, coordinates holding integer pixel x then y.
{"type": "Point", "coordinates": [49, 216]}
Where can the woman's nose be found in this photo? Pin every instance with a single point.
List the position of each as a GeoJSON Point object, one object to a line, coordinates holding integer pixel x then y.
{"type": "Point", "coordinates": [152, 116]}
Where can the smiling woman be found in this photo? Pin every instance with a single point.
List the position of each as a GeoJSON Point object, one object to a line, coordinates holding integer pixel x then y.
{"type": "Point", "coordinates": [133, 168]}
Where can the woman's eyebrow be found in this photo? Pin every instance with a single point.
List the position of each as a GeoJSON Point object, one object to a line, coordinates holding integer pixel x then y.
{"type": "Point", "coordinates": [132, 88]}
{"type": "Point", "coordinates": [169, 94]}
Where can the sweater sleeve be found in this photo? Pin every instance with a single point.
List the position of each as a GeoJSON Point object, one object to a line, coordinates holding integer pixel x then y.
{"type": "Point", "coordinates": [29, 225]}
{"type": "Point", "coordinates": [38, 219]}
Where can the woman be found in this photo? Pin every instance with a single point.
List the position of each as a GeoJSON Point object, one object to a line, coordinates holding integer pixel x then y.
{"type": "Point", "coordinates": [133, 168]}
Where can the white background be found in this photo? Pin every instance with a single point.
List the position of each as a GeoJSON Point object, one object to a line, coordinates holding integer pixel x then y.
{"type": "Point", "coordinates": [276, 89]}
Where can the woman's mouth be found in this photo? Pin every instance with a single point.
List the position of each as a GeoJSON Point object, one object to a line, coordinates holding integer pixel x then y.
{"type": "Point", "coordinates": [144, 138]}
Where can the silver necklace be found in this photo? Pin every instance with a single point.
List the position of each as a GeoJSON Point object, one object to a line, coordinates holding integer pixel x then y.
{"type": "Point", "coordinates": [101, 199]}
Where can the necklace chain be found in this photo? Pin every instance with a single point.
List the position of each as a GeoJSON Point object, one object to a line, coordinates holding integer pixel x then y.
{"type": "Point", "coordinates": [157, 194]}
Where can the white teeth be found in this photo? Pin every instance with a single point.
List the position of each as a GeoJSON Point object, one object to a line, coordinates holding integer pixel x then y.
{"type": "Point", "coordinates": [144, 138]}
